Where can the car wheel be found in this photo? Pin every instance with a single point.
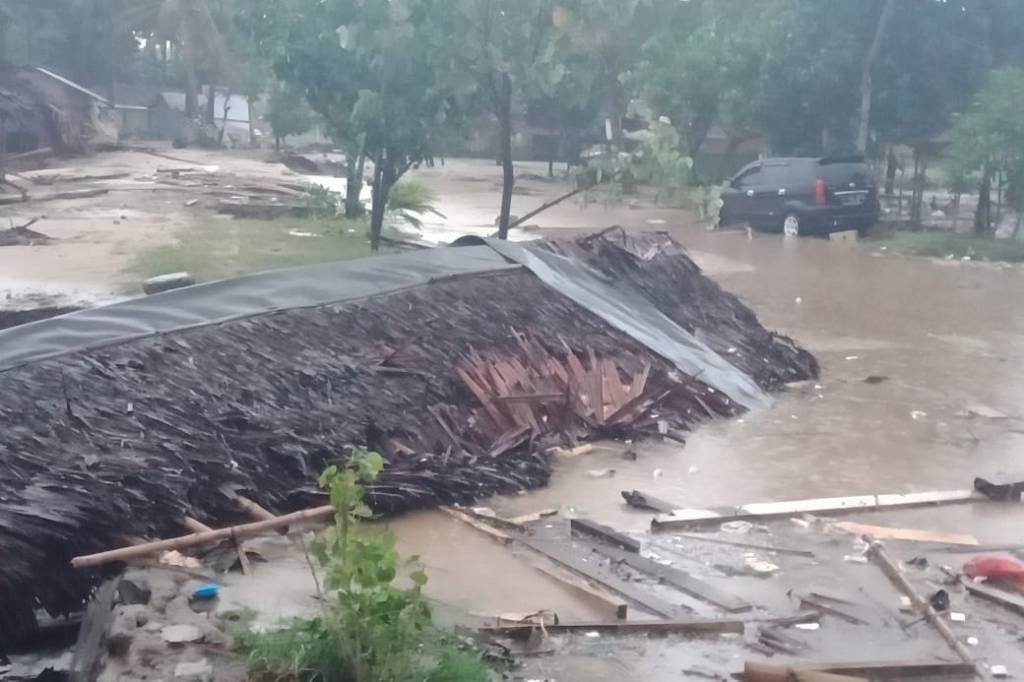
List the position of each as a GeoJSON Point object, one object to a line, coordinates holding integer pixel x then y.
{"type": "Point", "coordinates": [791, 225]}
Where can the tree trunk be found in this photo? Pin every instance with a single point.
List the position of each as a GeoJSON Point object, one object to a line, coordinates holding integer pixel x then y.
{"type": "Point", "coordinates": [355, 163]}
{"type": "Point", "coordinates": [956, 211]}
{"type": "Point", "coordinates": [252, 120]}
{"type": "Point", "coordinates": [890, 171]}
{"type": "Point", "coordinates": [507, 169]}
{"type": "Point", "coordinates": [865, 76]}
{"type": "Point", "coordinates": [983, 215]}
{"type": "Point", "coordinates": [917, 200]}
{"type": "Point", "coordinates": [277, 143]}
{"type": "Point", "coordinates": [209, 118]}
{"type": "Point", "coordinates": [384, 177]}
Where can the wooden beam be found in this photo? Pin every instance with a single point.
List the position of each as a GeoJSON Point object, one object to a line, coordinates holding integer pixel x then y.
{"type": "Point", "coordinates": [605, 534]}
{"type": "Point", "coordinates": [488, 530]}
{"type": "Point", "coordinates": [197, 539]}
{"type": "Point", "coordinates": [619, 606]}
{"type": "Point", "coordinates": [746, 545]}
{"type": "Point", "coordinates": [687, 518]}
{"type": "Point", "coordinates": [682, 581]}
{"type": "Point", "coordinates": [533, 517]}
{"type": "Point", "coordinates": [564, 557]}
{"type": "Point", "coordinates": [892, 670]}
{"type": "Point", "coordinates": [89, 649]}
{"type": "Point", "coordinates": [766, 672]}
{"type": "Point", "coordinates": [630, 627]}
{"type": "Point", "coordinates": [911, 534]}
{"type": "Point", "coordinates": [1006, 599]}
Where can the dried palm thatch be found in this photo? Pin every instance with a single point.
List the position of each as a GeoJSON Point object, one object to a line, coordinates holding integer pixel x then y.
{"type": "Point", "coordinates": [101, 445]}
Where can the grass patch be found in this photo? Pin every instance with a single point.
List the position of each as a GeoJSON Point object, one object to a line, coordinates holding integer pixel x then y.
{"type": "Point", "coordinates": [219, 248]}
{"type": "Point", "coordinates": [944, 245]}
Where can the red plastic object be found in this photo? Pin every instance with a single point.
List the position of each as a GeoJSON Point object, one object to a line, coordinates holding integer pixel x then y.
{"type": "Point", "coordinates": [996, 568]}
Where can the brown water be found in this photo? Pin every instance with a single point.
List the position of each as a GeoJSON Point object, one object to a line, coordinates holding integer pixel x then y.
{"type": "Point", "coordinates": [946, 335]}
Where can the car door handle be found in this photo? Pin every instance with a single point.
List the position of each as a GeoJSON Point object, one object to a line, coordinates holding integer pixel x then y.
{"type": "Point", "coordinates": [750, 192]}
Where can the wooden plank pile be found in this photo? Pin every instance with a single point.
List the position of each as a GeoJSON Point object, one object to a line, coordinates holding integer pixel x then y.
{"type": "Point", "coordinates": [573, 396]}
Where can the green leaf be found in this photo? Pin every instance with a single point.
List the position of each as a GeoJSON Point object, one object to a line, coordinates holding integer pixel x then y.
{"type": "Point", "coordinates": [419, 578]}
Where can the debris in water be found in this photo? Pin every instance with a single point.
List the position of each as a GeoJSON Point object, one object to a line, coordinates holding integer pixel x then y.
{"type": "Point", "coordinates": [918, 415]}
{"type": "Point", "coordinates": [736, 527]}
{"type": "Point", "coordinates": [875, 379]}
{"type": "Point", "coordinates": [601, 473]}
{"type": "Point", "coordinates": [999, 671]}
{"type": "Point", "coordinates": [807, 626]}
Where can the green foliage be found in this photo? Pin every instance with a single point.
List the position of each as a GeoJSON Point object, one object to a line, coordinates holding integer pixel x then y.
{"type": "Point", "coordinates": [324, 204]}
{"type": "Point", "coordinates": [409, 200]}
{"type": "Point", "coordinates": [369, 628]}
{"type": "Point", "coordinates": [287, 112]}
{"type": "Point", "coordinates": [992, 132]}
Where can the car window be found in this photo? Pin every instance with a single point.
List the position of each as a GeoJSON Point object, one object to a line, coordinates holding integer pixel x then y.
{"type": "Point", "coordinates": [775, 175]}
{"type": "Point", "coordinates": [749, 178]}
{"type": "Point", "coordinates": [845, 173]}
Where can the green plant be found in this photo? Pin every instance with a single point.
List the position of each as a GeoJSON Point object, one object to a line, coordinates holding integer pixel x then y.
{"type": "Point", "coordinates": [369, 629]}
{"type": "Point", "coordinates": [324, 204]}
{"type": "Point", "coordinates": [408, 200]}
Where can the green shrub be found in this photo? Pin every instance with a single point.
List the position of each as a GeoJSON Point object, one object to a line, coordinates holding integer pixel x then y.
{"type": "Point", "coordinates": [369, 629]}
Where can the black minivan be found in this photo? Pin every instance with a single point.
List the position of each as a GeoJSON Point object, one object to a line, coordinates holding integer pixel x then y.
{"type": "Point", "coordinates": [802, 196]}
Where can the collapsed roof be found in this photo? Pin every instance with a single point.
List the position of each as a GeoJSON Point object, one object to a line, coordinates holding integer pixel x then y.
{"type": "Point", "coordinates": [118, 422]}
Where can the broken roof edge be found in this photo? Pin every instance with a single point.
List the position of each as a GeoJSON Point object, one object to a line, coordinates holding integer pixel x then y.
{"type": "Point", "coordinates": [621, 307]}
{"type": "Point", "coordinates": [238, 298]}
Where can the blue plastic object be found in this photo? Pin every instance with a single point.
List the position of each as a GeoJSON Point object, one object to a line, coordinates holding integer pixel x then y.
{"type": "Point", "coordinates": [208, 591]}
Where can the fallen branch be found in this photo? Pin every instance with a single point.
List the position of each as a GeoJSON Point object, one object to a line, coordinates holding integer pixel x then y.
{"type": "Point", "coordinates": [543, 207]}
{"type": "Point", "coordinates": [205, 538]}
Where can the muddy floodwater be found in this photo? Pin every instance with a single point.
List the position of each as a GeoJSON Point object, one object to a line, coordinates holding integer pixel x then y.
{"type": "Point", "coordinates": [922, 388]}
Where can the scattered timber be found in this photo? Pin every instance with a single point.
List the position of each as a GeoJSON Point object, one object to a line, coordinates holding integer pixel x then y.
{"type": "Point", "coordinates": [682, 581]}
{"type": "Point", "coordinates": [533, 517]}
{"type": "Point", "coordinates": [564, 557]}
{"type": "Point", "coordinates": [55, 196]}
{"type": "Point", "coordinates": [818, 604]}
{"type": "Point", "coordinates": [687, 518]}
{"type": "Point", "coordinates": [262, 210]}
{"type": "Point", "coordinates": [911, 534]}
{"type": "Point", "coordinates": [605, 534]}
{"type": "Point", "coordinates": [1013, 602]}
{"type": "Point", "coordinates": [22, 235]}
{"type": "Point", "coordinates": [877, 552]}
{"type": "Point", "coordinates": [646, 502]}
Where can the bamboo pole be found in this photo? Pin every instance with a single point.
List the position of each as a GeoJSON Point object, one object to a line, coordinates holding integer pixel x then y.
{"type": "Point", "coordinates": [196, 539]}
{"type": "Point", "coordinates": [877, 552]}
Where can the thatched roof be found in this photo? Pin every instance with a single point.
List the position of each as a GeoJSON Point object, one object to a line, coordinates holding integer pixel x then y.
{"type": "Point", "coordinates": [105, 437]}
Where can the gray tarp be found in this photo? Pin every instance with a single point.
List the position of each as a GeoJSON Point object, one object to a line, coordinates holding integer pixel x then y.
{"type": "Point", "coordinates": [623, 308]}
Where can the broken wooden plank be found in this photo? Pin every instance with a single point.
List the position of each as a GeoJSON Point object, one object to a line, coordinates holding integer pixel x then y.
{"type": "Point", "coordinates": [564, 557]}
{"type": "Point", "coordinates": [54, 196]}
{"type": "Point", "coordinates": [89, 649]}
{"type": "Point", "coordinates": [682, 581]}
{"type": "Point", "coordinates": [821, 605]}
{"type": "Point", "coordinates": [606, 534]}
{"type": "Point", "coordinates": [533, 517]}
{"type": "Point", "coordinates": [490, 531]}
{"type": "Point", "coordinates": [647, 502]}
{"type": "Point", "coordinates": [1008, 600]}
{"type": "Point", "coordinates": [891, 670]}
{"type": "Point", "coordinates": [765, 672]}
{"type": "Point", "coordinates": [618, 606]}
{"type": "Point", "coordinates": [196, 539]}
{"type": "Point", "coordinates": [746, 545]}
{"type": "Point", "coordinates": [686, 518]}
{"type": "Point", "coordinates": [630, 627]}
{"type": "Point", "coordinates": [911, 534]}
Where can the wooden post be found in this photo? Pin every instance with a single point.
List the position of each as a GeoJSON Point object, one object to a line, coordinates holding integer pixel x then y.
{"type": "Point", "coordinates": [877, 552]}
{"type": "Point", "coordinates": [205, 538]}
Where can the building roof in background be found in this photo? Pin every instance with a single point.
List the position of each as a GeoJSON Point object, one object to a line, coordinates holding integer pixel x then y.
{"type": "Point", "coordinates": [69, 83]}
